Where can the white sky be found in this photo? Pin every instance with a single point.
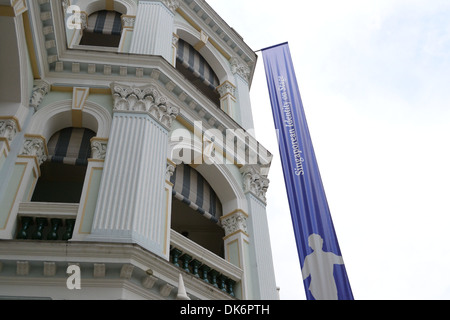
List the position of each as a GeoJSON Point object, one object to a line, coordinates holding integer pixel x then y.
{"type": "Point", "coordinates": [374, 78]}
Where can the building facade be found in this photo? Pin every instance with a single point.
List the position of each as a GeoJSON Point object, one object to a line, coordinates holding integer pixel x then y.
{"type": "Point", "coordinates": [128, 164]}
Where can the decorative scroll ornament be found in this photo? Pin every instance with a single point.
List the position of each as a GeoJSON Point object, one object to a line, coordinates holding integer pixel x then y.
{"type": "Point", "coordinates": [34, 147]}
{"type": "Point", "coordinates": [8, 129]}
{"type": "Point", "coordinates": [235, 222]}
{"type": "Point", "coordinates": [240, 68]}
{"type": "Point", "coordinates": [144, 99]}
{"type": "Point", "coordinates": [40, 89]}
{"type": "Point", "coordinates": [128, 21]}
{"type": "Point", "coordinates": [173, 5]}
{"type": "Point", "coordinates": [170, 170]}
{"type": "Point", "coordinates": [98, 149]}
{"type": "Point", "coordinates": [255, 182]}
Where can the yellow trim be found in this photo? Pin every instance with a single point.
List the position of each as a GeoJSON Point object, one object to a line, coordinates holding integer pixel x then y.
{"type": "Point", "coordinates": [33, 186]}
{"type": "Point", "coordinates": [38, 136]}
{"type": "Point", "coordinates": [14, 119]}
{"type": "Point", "coordinates": [36, 162]}
{"type": "Point", "coordinates": [168, 197]}
{"type": "Point", "coordinates": [234, 212]}
{"type": "Point", "coordinates": [6, 11]}
{"type": "Point", "coordinates": [235, 233]}
{"type": "Point", "coordinates": [91, 90]}
{"type": "Point", "coordinates": [109, 5]}
{"type": "Point", "coordinates": [77, 118]}
{"type": "Point", "coordinates": [99, 139]}
{"type": "Point", "coordinates": [6, 143]}
{"type": "Point", "coordinates": [80, 95]}
{"type": "Point", "coordinates": [86, 200]}
{"type": "Point", "coordinates": [30, 45]}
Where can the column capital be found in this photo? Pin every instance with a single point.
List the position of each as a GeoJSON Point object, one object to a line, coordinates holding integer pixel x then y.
{"type": "Point", "coordinates": [240, 67]}
{"type": "Point", "coordinates": [35, 146]}
{"type": "Point", "coordinates": [9, 127]}
{"type": "Point", "coordinates": [98, 148]}
{"type": "Point", "coordinates": [173, 5]}
{"type": "Point", "coordinates": [235, 221]}
{"type": "Point", "coordinates": [254, 181]}
{"type": "Point", "coordinates": [145, 99]}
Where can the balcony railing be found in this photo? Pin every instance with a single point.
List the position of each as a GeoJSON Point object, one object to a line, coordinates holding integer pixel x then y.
{"type": "Point", "coordinates": [204, 264]}
{"type": "Point", "coordinates": [46, 221]}
{"type": "Point", "coordinates": [55, 221]}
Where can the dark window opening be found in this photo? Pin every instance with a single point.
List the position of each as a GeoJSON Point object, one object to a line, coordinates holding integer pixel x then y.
{"type": "Point", "coordinates": [62, 175]}
{"type": "Point", "coordinates": [196, 209]}
{"type": "Point", "coordinates": [104, 29]}
{"type": "Point", "coordinates": [59, 182]}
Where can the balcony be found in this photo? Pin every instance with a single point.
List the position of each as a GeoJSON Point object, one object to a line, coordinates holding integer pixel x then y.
{"type": "Point", "coordinates": [49, 222]}
{"type": "Point", "coordinates": [46, 221]}
{"type": "Point", "coordinates": [205, 265]}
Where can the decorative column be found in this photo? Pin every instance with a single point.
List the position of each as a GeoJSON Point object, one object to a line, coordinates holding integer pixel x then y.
{"type": "Point", "coordinates": [91, 187]}
{"type": "Point", "coordinates": [263, 277]}
{"type": "Point", "coordinates": [9, 127]}
{"type": "Point", "coordinates": [127, 33]}
{"type": "Point", "coordinates": [227, 93]}
{"type": "Point", "coordinates": [242, 73]}
{"type": "Point", "coordinates": [132, 202]}
{"type": "Point", "coordinates": [21, 182]}
{"type": "Point", "coordinates": [154, 28]}
{"type": "Point", "coordinates": [236, 243]}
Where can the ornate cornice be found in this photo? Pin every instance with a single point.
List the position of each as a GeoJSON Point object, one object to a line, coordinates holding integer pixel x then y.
{"type": "Point", "coordinates": [240, 68]}
{"type": "Point", "coordinates": [227, 88]}
{"type": "Point", "coordinates": [146, 99]}
{"type": "Point", "coordinates": [8, 128]}
{"type": "Point", "coordinates": [254, 181]}
{"type": "Point", "coordinates": [40, 89]}
{"type": "Point", "coordinates": [35, 146]}
{"type": "Point", "coordinates": [234, 222]}
{"type": "Point", "coordinates": [98, 148]}
{"type": "Point", "coordinates": [173, 5]}
{"type": "Point", "coordinates": [170, 169]}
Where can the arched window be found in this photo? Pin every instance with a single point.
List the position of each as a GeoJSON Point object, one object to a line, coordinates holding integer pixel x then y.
{"type": "Point", "coordinates": [104, 29]}
{"type": "Point", "coordinates": [196, 209]}
{"type": "Point", "coordinates": [62, 175]}
{"type": "Point", "coordinates": [197, 70]}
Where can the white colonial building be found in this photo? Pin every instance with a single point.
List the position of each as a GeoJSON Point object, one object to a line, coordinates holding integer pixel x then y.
{"type": "Point", "coordinates": [128, 164]}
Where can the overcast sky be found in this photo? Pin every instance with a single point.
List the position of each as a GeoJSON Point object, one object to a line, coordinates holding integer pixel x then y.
{"type": "Point", "coordinates": [374, 77]}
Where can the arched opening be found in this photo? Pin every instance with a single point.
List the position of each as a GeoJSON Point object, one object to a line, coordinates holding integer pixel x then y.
{"type": "Point", "coordinates": [196, 69]}
{"type": "Point", "coordinates": [62, 175]}
{"type": "Point", "coordinates": [196, 209]}
{"type": "Point", "coordinates": [104, 29]}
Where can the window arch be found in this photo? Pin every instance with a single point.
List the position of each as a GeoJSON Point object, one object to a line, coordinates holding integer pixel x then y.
{"type": "Point", "coordinates": [104, 29]}
{"type": "Point", "coordinates": [197, 70]}
{"type": "Point", "coordinates": [62, 175]}
{"type": "Point", "coordinates": [196, 209]}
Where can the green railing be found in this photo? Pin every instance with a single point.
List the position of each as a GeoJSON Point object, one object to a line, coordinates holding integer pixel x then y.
{"type": "Point", "coordinates": [41, 228]}
{"type": "Point", "coordinates": [205, 265]}
{"type": "Point", "coordinates": [46, 221]}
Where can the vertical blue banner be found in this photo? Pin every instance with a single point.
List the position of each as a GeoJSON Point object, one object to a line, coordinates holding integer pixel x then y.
{"type": "Point", "coordinates": [323, 269]}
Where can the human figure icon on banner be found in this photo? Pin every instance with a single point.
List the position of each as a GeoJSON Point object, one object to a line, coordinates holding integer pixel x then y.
{"type": "Point", "coordinates": [319, 265]}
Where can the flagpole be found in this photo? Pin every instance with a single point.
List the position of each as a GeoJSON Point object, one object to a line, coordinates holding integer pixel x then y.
{"type": "Point", "coordinates": [271, 47]}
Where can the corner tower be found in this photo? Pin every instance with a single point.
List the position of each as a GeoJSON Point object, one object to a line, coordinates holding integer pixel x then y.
{"type": "Point", "coordinates": [126, 150]}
